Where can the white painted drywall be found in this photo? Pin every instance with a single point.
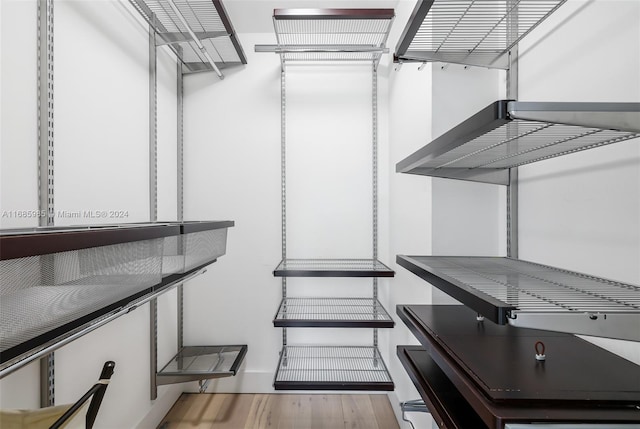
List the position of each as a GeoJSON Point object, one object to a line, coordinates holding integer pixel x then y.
{"type": "Point", "coordinates": [232, 147]}
{"type": "Point", "coordinates": [101, 105]}
{"type": "Point", "coordinates": [582, 211]}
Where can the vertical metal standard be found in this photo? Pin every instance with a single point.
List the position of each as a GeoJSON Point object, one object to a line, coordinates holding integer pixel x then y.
{"type": "Point", "coordinates": [153, 195]}
{"type": "Point", "coordinates": [180, 189]}
{"type": "Point", "coordinates": [45, 161]}
{"type": "Point", "coordinates": [374, 154]}
{"type": "Point", "coordinates": [512, 94]}
{"type": "Point", "coordinates": [283, 182]}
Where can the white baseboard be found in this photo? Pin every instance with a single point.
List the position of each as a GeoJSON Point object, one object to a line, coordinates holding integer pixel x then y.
{"type": "Point", "coordinates": [167, 396]}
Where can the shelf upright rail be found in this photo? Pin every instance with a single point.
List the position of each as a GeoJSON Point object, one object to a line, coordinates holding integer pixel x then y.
{"type": "Point", "coordinates": [46, 161]}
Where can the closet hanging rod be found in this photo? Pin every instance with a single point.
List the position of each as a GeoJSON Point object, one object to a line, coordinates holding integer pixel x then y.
{"type": "Point", "coordinates": [197, 41]}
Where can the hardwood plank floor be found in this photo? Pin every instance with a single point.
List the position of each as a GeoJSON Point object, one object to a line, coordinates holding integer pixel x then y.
{"type": "Point", "coordinates": [280, 411]}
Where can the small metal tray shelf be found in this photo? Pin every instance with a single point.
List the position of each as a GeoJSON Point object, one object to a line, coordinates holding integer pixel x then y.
{"type": "Point", "coordinates": [332, 268]}
{"type": "Point", "coordinates": [527, 294]}
{"type": "Point", "coordinates": [475, 32]}
{"type": "Point", "coordinates": [332, 368]}
{"type": "Point", "coordinates": [193, 363]}
{"type": "Point", "coordinates": [332, 313]}
{"type": "Point", "coordinates": [198, 31]}
{"type": "Point", "coordinates": [494, 368]}
{"type": "Point", "coordinates": [508, 134]}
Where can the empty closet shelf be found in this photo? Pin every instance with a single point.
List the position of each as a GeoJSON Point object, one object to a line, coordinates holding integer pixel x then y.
{"type": "Point", "coordinates": [332, 313]}
{"type": "Point", "coordinates": [477, 32]}
{"type": "Point", "coordinates": [508, 134]}
{"type": "Point", "coordinates": [332, 368]}
{"type": "Point", "coordinates": [332, 268]}
{"type": "Point", "coordinates": [198, 31]}
{"type": "Point", "coordinates": [309, 35]}
{"type": "Point", "coordinates": [527, 294]}
{"type": "Point", "coordinates": [194, 363]}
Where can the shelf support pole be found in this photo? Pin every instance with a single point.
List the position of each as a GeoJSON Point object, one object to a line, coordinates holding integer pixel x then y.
{"type": "Point", "coordinates": [153, 196]}
{"type": "Point", "coordinates": [45, 165]}
{"type": "Point", "coordinates": [374, 182]}
{"type": "Point", "coordinates": [283, 181]}
{"type": "Point", "coordinates": [512, 94]}
{"type": "Point", "coordinates": [180, 191]}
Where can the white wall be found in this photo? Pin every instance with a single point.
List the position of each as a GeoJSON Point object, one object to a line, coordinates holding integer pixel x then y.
{"type": "Point", "coordinates": [101, 102]}
{"type": "Point", "coordinates": [232, 147]}
{"type": "Point", "coordinates": [582, 211]}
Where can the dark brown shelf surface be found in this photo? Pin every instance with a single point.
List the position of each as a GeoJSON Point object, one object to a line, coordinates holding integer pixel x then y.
{"type": "Point", "coordinates": [501, 359]}
{"type": "Point", "coordinates": [495, 369]}
{"type": "Point", "coordinates": [447, 406]}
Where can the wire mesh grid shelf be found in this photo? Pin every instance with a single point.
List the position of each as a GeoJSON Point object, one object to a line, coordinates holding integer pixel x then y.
{"type": "Point", "coordinates": [332, 313]}
{"type": "Point", "coordinates": [527, 294]}
{"type": "Point", "coordinates": [476, 32]}
{"type": "Point", "coordinates": [333, 35]}
{"type": "Point", "coordinates": [196, 30]}
{"type": "Point", "coordinates": [332, 368]}
{"type": "Point", "coordinates": [508, 134]}
{"type": "Point", "coordinates": [61, 282]}
{"type": "Point", "coordinates": [332, 268]}
{"type": "Point", "coordinates": [202, 362]}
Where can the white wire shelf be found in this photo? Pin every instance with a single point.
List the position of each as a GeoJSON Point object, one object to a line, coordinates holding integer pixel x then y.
{"type": "Point", "coordinates": [198, 31]}
{"type": "Point", "coordinates": [332, 368]}
{"type": "Point", "coordinates": [508, 134]}
{"type": "Point", "coordinates": [330, 35]}
{"type": "Point", "coordinates": [527, 294]}
{"type": "Point", "coordinates": [476, 32]}
{"type": "Point", "coordinates": [332, 313]}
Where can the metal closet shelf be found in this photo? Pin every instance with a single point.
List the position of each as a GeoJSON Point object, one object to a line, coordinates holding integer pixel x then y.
{"type": "Point", "coordinates": [332, 268]}
{"type": "Point", "coordinates": [476, 33]}
{"type": "Point", "coordinates": [198, 31]}
{"type": "Point", "coordinates": [193, 363]}
{"type": "Point", "coordinates": [59, 283]}
{"type": "Point", "coordinates": [527, 294]}
{"type": "Point", "coordinates": [332, 368]}
{"type": "Point", "coordinates": [308, 35]}
{"type": "Point", "coordinates": [508, 134]}
{"type": "Point", "coordinates": [332, 313]}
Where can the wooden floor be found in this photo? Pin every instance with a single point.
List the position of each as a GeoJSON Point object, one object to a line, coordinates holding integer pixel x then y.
{"type": "Point", "coordinates": [258, 411]}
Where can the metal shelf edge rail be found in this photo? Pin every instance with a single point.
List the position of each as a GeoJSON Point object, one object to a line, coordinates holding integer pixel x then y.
{"type": "Point", "coordinates": [474, 33]}
{"type": "Point", "coordinates": [90, 278]}
{"type": "Point", "coordinates": [184, 366]}
{"type": "Point", "coordinates": [186, 27]}
{"type": "Point", "coordinates": [507, 134]}
{"type": "Point", "coordinates": [292, 267]}
{"type": "Point", "coordinates": [330, 34]}
{"type": "Point", "coordinates": [531, 295]}
{"type": "Point", "coordinates": [332, 313]}
{"type": "Point", "coordinates": [351, 368]}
